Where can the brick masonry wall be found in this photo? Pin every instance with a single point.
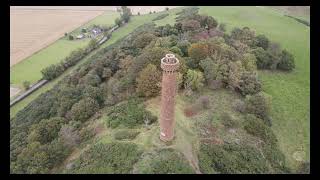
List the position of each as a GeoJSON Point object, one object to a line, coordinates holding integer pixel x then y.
{"type": "Point", "coordinates": [168, 92]}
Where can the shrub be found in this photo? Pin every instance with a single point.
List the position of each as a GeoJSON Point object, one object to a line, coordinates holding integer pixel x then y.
{"type": "Point", "coordinates": [125, 134]}
{"type": "Point", "coordinates": [194, 80]}
{"type": "Point", "coordinates": [118, 21]}
{"type": "Point", "coordinates": [198, 51]}
{"type": "Point", "coordinates": [231, 159]}
{"type": "Point", "coordinates": [222, 27]}
{"type": "Point", "coordinates": [239, 106]}
{"type": "Point", "coordinates": [52, 71]}
{"type": "Point", "coordinates": [143, 40]}
{"type": "Point", "coordinates": [26, 85]}
{"type": "Point", "coordinates": [249, 84]}
{"type": "Point", "coordinates": [258, 104]}
{"type": "Point", "coordinates": [209, 68]}
{"type": "Point", "coordinates": [46, 130]}
{"type": "Point", "coordinates": [262, 41]}
{"type": "Point", "coordinates": [110, 158]}
{"type": "Point", "coordinates": [190, 25]}
{"type": "Point", "coordinates": [176, 50]}
{"type": "Point", "coordinates": [163, 161]}
{"type": "Point", "coordinates": [128, 114]}
{"type": "Point", "coordinates": [256, 127]}
{"type": "Point", "coordinates": [204, 101]}
{"type": "Point", "coordinates": [148, 81]}
{"type": "Point", "coordinates": [264, 59]}
{"type": "Point", "coordinates": [276, 158]}
{"type": "Point", "coordinates": [249, 62]}
{"type": "Point", "coordinates": [228, 121]}
{"type": "Point", "coordinates": [70, 135]}
{"type": "Point", "coordinates": [84, 109]}
{"type": "Point", "coordinates": [286, 61]}
{"type": "Point", "coordinates": [71, 37]}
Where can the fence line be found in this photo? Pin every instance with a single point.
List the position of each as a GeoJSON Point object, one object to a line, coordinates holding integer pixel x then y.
{"type": "Point", "coordinates": [29, 91]}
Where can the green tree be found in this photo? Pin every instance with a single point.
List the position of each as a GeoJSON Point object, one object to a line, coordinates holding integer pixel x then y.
{"type": "Point", "coordinates": [118, 21]}
{"type": "Point", "coordinates": [249, 62]}
{"type": "Point", "coordinates": [46, 130]}
{"type": "Point", "coordinates": [84, 109]}
{"type": "Point", "coordinates": [198, 51]}
{"type": "Point", "coordinates": [222, 27]}
{"type": "Point", "coordinates": [258, 104]}
{"type": "Point", "coordinates": [26, 85]}
{"type": "Point", "coordinates": [148, 81]}
{"type": "Point", "coordinates": [286, 61]}
{"type": "Point", "coordinates": [194, 80]}
{"type": "Point", "coordinates": [262, 41]}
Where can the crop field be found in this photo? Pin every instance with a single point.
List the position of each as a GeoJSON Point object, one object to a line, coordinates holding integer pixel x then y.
{"type": "Point", "coordinates": [30, 68]}
{"type": "Point", "coordinates": [48, 26]}
{"type": "Point", "coordinates": [118, 34]}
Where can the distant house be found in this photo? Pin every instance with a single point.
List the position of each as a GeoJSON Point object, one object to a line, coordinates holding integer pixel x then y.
{"type": "Point", "coordinates": [96, 31]}
{"type": "Point", "coordinates": [80, 36]}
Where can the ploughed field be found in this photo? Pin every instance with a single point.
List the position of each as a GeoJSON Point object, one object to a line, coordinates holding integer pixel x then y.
{"type": "Point", "coordinates": [47, 26]}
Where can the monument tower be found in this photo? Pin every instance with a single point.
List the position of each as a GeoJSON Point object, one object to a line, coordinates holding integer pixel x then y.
{"type": "Point", "coordinates": [169, 65]}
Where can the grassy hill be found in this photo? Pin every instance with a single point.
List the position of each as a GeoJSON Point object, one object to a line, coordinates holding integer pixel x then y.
{"type": "Point", "coordinates": [290, 96]}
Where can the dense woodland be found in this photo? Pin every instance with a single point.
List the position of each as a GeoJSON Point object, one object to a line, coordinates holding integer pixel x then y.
{"type": "Point", "coordinates": [122, 76]}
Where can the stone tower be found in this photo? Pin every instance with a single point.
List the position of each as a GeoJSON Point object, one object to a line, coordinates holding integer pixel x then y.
{"type": "Point", "coordinates": [170, 65]}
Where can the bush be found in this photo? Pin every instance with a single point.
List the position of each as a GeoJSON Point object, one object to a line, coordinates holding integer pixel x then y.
{"type": "Point", "coordinates": [184, 45]}
{"type": "Point", "coordinates": [26, 85]}
{"type": "Point", "coordinates": [256, 127]}
{"type": "Point", "coordinates": [264, 59]}
{"type": "Point", "coordinates": [249, 62]}
{"type": "Point", "coordinates": [143, 40]}
{"type": "Point", "coordinates": [239, 106]}
{"type": "Point", "coordinates": [231, 159]}
{"type": "Point", "coordinates": [69, 135]}
{"type": "Point", "coordinates": [129, 114]}
{"type": "Point", "coordinates": [148, 81]}
{"type": "Point", "coordinates": [198, 51]}
{"type": "Point", "coordinates": [190, 25]}
{"type": "Point", "coordinates": [222, 27]}
{"type": "Point", "coordinates": [176, 50]}
{"type": "Point", "coordinates": [258, 104]}
{"type": "Point", "coordinates": [46, 130]}
{"type": "Point", "coordinates": [52, 71]}
{"type": "Point", "coordinates": [71, 37]}
{"type": "Point", "coordinates": [276, 158]}
{"type": "Point", "coordinates": [194, 80]}
{"type": "Point", "coordinates": [111, 158]}
{"type": "Point", "coordinates": [204, 101]}
{"type": "Point", "coordinates": [125, 134]}
{"type": "Point", "coordinates": [164, 161]}
{"type": "Point", "coordinates": [84, 109]}
{"type": "Point", "coordinates": [228, 121]}
{"type": "Point", "coordinates": [249, 84]}
{"type": "Point", "coordinates": [286, 61]}
{"type": "Point", "coordinates": [262, 41]}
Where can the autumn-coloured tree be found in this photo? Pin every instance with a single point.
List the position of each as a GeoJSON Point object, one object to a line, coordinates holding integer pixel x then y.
{"type": "Point", "coordinates": [198, 51]}
{"type": "Point", "coordinates": [148, 81]}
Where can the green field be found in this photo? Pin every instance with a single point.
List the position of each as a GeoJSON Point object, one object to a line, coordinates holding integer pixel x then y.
{"type": "Point", "coordinates": [30, 68]}
{"type": "Point", "coordinates": [116, 35]}
{"type": "Point", "coordinates": [290, 91]}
